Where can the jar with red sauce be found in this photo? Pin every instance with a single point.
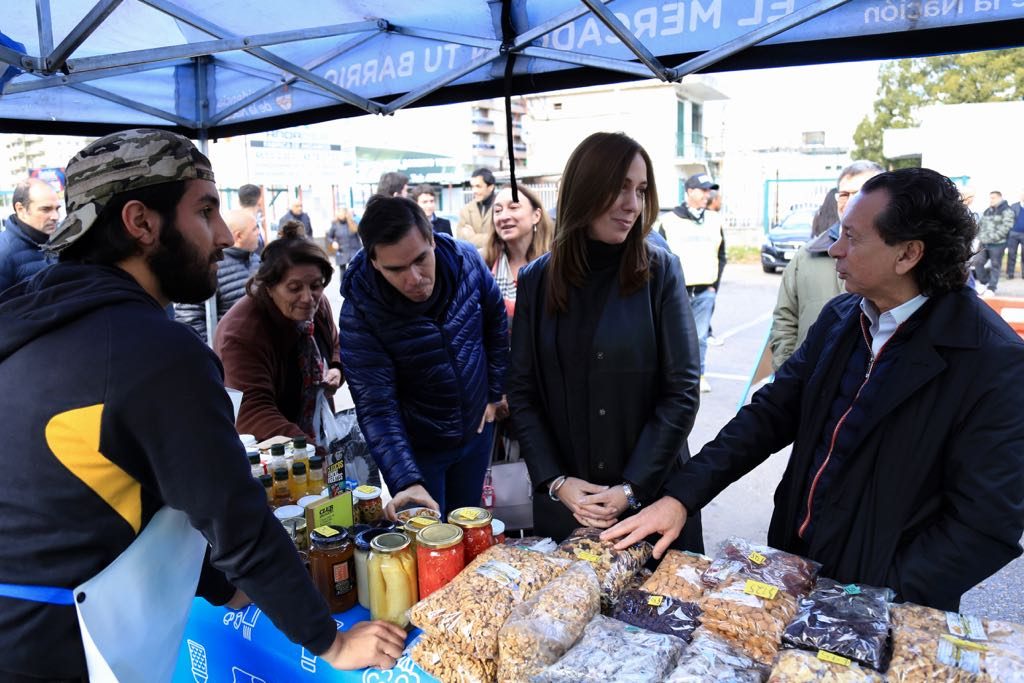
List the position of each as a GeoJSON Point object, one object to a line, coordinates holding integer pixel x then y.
{"type": "Point", "coordinates": [476, 529]}
{"type": "Point", "coordinates": [440, 556]}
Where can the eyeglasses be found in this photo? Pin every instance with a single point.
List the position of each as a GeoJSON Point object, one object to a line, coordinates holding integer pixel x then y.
{"type": "Point", "coordinates": [844, 195]}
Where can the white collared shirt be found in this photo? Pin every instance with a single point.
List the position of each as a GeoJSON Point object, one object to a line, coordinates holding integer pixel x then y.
{"type": "Point", "coordinates": [884, 326]}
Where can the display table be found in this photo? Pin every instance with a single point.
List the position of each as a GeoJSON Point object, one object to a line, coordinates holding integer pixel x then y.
{"type": "Point", "coordinates": [221, 645]}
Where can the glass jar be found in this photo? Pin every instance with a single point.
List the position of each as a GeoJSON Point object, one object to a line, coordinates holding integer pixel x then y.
{"type": "Point", "coordinates": [332, 563]}
{"type": "Point", "coordinates": [440, 555]}
{"type": "Point", "coordinates": [363, 539]}
{"type": "Point", "coordinates": [255, 464]}
{"type": "Point", "coordinates": [391, 575]}
{"type": "Point", "coordinates": [296, 528]}
{"type": "Point", "coordinates": [415, 525]}
{"type": "Point", "coordinates": [498, 531]}
{"type": "Point", "coordinates": [476, 526]}
{"type": "Point", "coordinates": [367, 507]}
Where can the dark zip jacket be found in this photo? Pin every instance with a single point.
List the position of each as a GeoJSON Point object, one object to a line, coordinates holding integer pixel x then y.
{"type": "Point", "coordinates": [112, 410]}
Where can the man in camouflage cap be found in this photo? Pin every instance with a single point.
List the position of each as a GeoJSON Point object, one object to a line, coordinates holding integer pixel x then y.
{"type": "Point", "coordinates": [121, 412]}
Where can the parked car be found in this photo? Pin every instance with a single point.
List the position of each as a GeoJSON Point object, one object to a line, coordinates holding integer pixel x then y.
{"type": "Point", "coordinates": [785, 239]}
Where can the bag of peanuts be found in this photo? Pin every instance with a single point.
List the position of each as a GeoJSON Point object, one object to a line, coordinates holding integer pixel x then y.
{"type": "Point", "coordinates": [709, 658]}
{"type": "Point", "coordinates": [658, 613]}
{"type": "Point", "coordinates": [851, 621]}
{"type": "Point", "coordinates": [615, 568]}
{"type": "Point", "coordinates": [679, 576]}
{"type": "Point", "coordinates": [447, 664]}
{"type": "Point", "coordinates": [799, 666]}
{"type": "Point", "coordinates": [542, 629]}
{"type": "Point", "coordinates": [610, 650]}
{"type": "Point", "coordinates": [469, 611]}
{"type": "Point", "coordinates": [931, 645]}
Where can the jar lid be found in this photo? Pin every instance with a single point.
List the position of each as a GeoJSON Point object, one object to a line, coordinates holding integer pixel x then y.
{"type": "Point", "coordinates": [439, 536]}
{"type": "Point", "coordinates": [390, 542]}
{"type": "Point", "coordinates": [364, 537]}
{"type": "Point", "coordinates": [299, 468]}
{"type": "Point", "coordinates": [277, 449]}
{"type": "Point", "coordinates": [266, 480]}
{"type": "Point", "coordinates": [329, 535]}
{"type": "Point", "coordinates": [286, 511]}
{"type": "Point", "coordinates": [316, 461]}
{"type": "Point", "coordinates": [497, 527]}
{"type": "Point", "coordinates": [414, 525]}
{"type": "Point", "coordinates": [280, 474]}
{"type": "Point", "coordinates": [299, 443]}
{"type": "Point", "coordinates": [470, 517]}
{"type": "Point", "coordinates": [366, 493]}
{"type": "Point", "coordinates": [310, 499]}
{"type": "Point", "coordinates": [254, 457]}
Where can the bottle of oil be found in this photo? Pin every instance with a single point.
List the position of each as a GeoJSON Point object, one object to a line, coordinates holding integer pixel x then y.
{"type": "Point", "coordinates": [282, 493]}
{"type": "Point", "coordinates": [297, 483]}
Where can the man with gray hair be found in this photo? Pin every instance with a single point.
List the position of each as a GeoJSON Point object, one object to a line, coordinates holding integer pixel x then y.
{"type": "Point", "coordinates": [233, 271]}
{"type": "Point", "coordinates": [136, 469]}
{"type": "Point", "coordinates": [810, 281]}
{"type": "Point", "coordinates": [36, 211]}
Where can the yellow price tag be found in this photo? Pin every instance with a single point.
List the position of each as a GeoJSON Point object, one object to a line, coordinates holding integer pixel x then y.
{"type": "Point", "coordinates": [761, 590]}
{"type": "Point", "coordinates": [469, 514]}
{"type": "Point", "coordinates": [965, 644]}
{"type": "Point", "coordinates": [366, 489]}
{"type": "Point", "coordinates": [757, 558]}
{"type": "Point", "coordinates": [655, 600]}
{"type": "Point", "coordinates": [326, 531]}
{"type": "Point", "coordinates": [834, 659]}
{"type": "Point", "coordinates": [589, 557]}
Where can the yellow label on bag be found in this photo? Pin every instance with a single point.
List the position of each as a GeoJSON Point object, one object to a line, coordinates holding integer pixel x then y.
{"type": "Point", "coordinates": [757, 558]}
{"type": "Point", "coordinates": [965, 644]}
{"type": "Point", "coordinates": [655, 600]}
{"type": "Point", "coordinates": [761, 590]}
{"type": "Point", "coordinates": [589, 557]}
{"type": "Point", "coordinates": [834, 659]}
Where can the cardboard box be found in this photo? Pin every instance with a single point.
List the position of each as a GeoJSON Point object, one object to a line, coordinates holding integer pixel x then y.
{"type": "Point", "coordinates": [336, 511]}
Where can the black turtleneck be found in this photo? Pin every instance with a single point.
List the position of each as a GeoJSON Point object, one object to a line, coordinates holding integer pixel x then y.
{"type": "Point", "coordinates": [37, 236]}
{"type": "Point", "coordinates": [574, 338]}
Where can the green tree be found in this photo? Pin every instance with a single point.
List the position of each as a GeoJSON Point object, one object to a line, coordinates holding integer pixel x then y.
{"type": "Point", "coordinates": [905, 85]}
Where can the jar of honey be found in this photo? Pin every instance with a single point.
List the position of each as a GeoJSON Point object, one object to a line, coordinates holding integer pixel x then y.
{"type": "Point", "coordinates": [332, 564]}
{"type": "Point", "coordinates": [391, 574]}
{"type": "Point", "coordinates": [476, 527]}
{"type": "Point", "coordinates": [440, 555]}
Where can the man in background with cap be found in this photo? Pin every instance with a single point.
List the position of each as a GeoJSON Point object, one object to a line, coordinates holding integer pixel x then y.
{"type": "Point", "coordinates": [695, 235]}
{"type": "Point", "coordinates": [133, 430]}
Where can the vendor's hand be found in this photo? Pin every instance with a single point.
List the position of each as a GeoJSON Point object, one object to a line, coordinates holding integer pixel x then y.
{"type": "Point", "coordinates": [573, 490]}
{"type": "Point", "coordinates": [596, 523]}
{"type": "Point", "coordinates": [666, 517]}
{"type": "Point", "coordinates": [489, 414]}
{"type": "Point", "coordinates": [606, 505]}
{"type": "Point", "coordinates": [239, 600]}
{"type": "Point", "coordinates": [370, 643]}
{"type": "Point", "coordinates": [414, 495]}
{"type": "Point", "coordinates": [331, 381]}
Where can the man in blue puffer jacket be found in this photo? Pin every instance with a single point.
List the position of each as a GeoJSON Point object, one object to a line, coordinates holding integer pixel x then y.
{"type": "Point", "coordinates": [36, 212]}
{"type": "Point", "coordinates": [424, 344]}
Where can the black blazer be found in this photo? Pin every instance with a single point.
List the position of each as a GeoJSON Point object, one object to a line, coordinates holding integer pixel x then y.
{"type": "Point", "coordinates": [644, 375]}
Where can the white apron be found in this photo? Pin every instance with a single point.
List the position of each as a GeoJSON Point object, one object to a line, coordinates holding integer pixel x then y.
{"type": "Point", "coordinates": [133, 613]}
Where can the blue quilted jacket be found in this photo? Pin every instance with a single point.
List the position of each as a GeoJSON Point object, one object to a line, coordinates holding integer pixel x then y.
{"type": "Point", "coordinates": [420, 384]}
{"type": "Point", "coordinates": [20, 255]}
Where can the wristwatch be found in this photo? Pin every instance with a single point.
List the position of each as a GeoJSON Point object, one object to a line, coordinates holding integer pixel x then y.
{"type": "Point", "coordinates": [633, 501]}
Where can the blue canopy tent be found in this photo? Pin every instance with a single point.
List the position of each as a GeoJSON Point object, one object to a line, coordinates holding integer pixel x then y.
{"type": "Point", "coordinates": [212, 68]}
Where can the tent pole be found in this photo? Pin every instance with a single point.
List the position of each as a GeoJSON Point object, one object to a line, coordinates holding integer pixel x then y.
{"type": "Point", "coordinates": [508, 35]}
{"type": "Point", "coordinates": [203, 116]}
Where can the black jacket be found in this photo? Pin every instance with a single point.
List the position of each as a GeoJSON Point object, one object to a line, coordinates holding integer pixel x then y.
{"type": "Point", "coordinates": [233, 271]}
{"type": "Point", "coordinates": [931, 498]}
{"type": "Point", "coordinates": [644, 387]}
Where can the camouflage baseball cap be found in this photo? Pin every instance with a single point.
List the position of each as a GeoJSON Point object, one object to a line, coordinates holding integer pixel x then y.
{"type": "Point", "coordinates": [122, 161]}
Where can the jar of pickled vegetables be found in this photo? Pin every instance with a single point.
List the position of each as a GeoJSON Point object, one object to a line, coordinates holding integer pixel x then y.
{"type": "Point", "coordinates": [363, 539]}
{"type": "Point", "coordinates": [391, 573]}
{"type": "Point", "coordinates": [367, 506]}
{"type": "Point", "coordinates": [440, 555]}
{"type": "Point", "coordinates": [476, 527]}
{"type": "Point", "coordinates": [332, 563]}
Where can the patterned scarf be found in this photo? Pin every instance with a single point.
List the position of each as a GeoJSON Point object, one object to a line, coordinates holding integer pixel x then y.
{"type": "Point", "coordinates": [503, 276]}
{"type": "Point", "coordinates": [311, 364]}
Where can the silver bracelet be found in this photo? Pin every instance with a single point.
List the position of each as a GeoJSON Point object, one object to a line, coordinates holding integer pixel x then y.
{"type": "Point", "coordinates": [555, 485]}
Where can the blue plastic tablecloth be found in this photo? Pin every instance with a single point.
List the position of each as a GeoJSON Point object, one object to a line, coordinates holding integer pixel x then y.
{"type": "Point", "coordinates": [243, 646]}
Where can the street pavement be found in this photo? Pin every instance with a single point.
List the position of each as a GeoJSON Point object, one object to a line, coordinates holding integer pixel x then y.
{"type": "Point", "coordinates": [741, 321]}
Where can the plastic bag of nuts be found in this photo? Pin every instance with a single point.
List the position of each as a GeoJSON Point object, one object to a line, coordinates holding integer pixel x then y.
{"type": "Point", "coordinates": [791, 573]}
{"type": "Point", "coordinates": [798, 666]}
{"type": "Point", "coordinates": [679, 576]}
{"type": "Point", "coordinates": [469, 611]}
{"type": "Point", "coordinates": [542, 629]}
{"type": "Point", "coordinates": [749, 615]}
{"type": "Point", "coordinates": [658, 613]}
{"type": "Point", "coordinates": [447, 664]}
{"type": "Point", "coordinates": [1007, 635]}
{"type": "Point", "coordinates": [851, 621]}
{"type": "Point", "coordinates": [613, 651]}
{"type": "Point", "coordinates": [923, 656]}
{"type": "Point", "coordinates": [615, 568]}
{"type": "Point", "coordinates": [709, 658]}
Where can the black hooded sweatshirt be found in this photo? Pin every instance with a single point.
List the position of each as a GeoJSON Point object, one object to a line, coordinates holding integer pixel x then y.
{"type": "Point", "coordinates": [110, 411]}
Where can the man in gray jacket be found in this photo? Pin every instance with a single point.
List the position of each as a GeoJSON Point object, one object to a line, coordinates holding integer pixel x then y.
{"type": "Point", "coordinates": [233, 271]}
{"type": "Point", "coordinates": [993, 229]}
{"type": "Point", "coordinates": [810, 280]}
